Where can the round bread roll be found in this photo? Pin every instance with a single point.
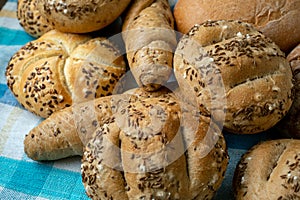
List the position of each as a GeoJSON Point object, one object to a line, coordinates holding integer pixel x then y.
{"type": "Point", "coordinates": [152, 149]}
{"type": "Point", "coordinates": [289, 126]}
{"type": "Point", "coordinates": [76, 16]}
{"type": "Point", "coordinates": [277, 19]}
{"type": "Point", "coordinates": [60, 69]}
{"type": "Point", "coordinates": [270, 170]}
{"type": "Point", "coordinates": [229, 66]}
{"type": "Point", "coordinates": [30, 18]}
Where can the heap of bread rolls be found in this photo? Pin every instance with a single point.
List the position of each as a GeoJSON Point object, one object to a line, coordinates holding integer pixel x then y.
{"type": "Point", "coordinates": [235, 66]}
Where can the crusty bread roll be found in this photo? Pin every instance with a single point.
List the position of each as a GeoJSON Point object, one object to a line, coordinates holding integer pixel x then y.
{"type": "Point", "coordinates": [150, 40]}
{"type": "Point", "coordinates": [270, 170]}
{"type": "Point", "coordinates": [30, 18]}
{"type": "Point", "coordinates": [153, 154]}
{"type": "Point", "coordinates": [60, 69]}
{"type": "Point", "coordinates": [277, 19]}
{"type": "Point", "coordinates": [289, 126]}
{"type": "Point", "coordinates": [230, 66]}
{"type": "Point", "coordinates": [76, 16]}
{"type": "Point", "coordinates": [174, 141]}
{"type": "Point", "coordinates": [66, 131]}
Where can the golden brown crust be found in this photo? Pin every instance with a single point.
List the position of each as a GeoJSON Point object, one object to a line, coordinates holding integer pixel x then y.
{"type": "Point", "coordinates": [155, 156]}
{"type": "Point", "coordinates": [278, 20]}
{"type": "Point", "coordinates": [30, 18]}
{"type": "Point", "coordinates": [65, 132]}
{"type": "Point", "coordinates": [252, 71]}
{"type": "Point", "coordinates": [58, 69]}
{"type": "Point", "coordinates": [81, 16]}
{"type": "Point", "coordinates": [150, 40]}
{"type": "Point", "coordinates": [165, 146]}
{"type": "Point", "coordinates": [269, 170]}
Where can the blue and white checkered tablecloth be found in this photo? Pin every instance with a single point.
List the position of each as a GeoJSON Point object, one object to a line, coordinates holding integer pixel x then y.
{"type": "Point", "coordinates": [22, 178]}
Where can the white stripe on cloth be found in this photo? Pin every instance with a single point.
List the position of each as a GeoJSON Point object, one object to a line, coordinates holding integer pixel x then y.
{"type": "Point", "coordinates": [15, 123]}
{"type": "Point", "coordinates": [10, 6]}
{"type": "Point", "coordinates": [9, 194]}
{"type": "Point", "coordinates": [70, 164]}
{"type": "Point", "coordinates": [6, 53]}
{"type": "Point", "coordinates": [10, 23]}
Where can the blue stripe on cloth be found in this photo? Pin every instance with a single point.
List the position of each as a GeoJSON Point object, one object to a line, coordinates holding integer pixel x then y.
{"type": "Point", "coordinates": [47, 181]}
{"type": "Point", "coordinates": [13, 37]}
{"type": "Point", "coordinates": [246, 141]}
{"type": "Point", "coordinates": [7, 97]}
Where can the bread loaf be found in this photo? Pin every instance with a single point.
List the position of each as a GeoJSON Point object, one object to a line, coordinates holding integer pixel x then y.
{"type": "Point", "coordinates": [269, 170]}
{"type": "Point", "coordinates": [153, 153]}
{"type": "Point", "coordinates": [229, 66]}
{"type": "Point", "coordinates": [276, 19]}
{"type": "Point", "coordinates": [30, 18]}
{"type": "Point", "coordinates": [150, 41]}
{"type": "Point", "coordinates": [289, 126]}
{"type": "Point", "coordinates": [76, 16]}
{"type": "Point", "coordinates": [60, 69]}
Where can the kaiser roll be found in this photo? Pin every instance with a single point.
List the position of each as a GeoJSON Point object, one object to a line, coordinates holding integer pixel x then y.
{"type": "Point", "coordinates": [229, 66]}
{"type": "Point", "coordinates": [76, 16]}
{"type": "Point", "coordinates": [30, 18]}
{"type": "Point", "coordinates": [289, 126]}
{"type": "Point", "coordinates": [58, 69]}
{"type": "Point", "coordinates": [270, 170]}
{"type": "Point", "coordinates": [147, 153]}
{"type": "Point", "coordinates": [277, 19]}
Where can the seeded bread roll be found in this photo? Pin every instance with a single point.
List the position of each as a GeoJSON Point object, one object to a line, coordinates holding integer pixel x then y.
{"type": "Point", "coordinates": [67, 131]}
{"type": "Point", "coordinates": [150, 40]}
{"type": "Point", "coordinates": [276, 19]}
{"type": "Point", "coordinates": [289, 126]}
{"type": "Point", "coordinates": [30, 18]}
{"type": "Point", "coordinates": [151, 151]}
{"type": "Point", "coordinates": [270, 170]}
{"type": "Point", "coordinates": [229, 66]}
{"type": "Point", "coordinates": [60, 69]}
{"type": "Point", "coordinates": [76, 16]}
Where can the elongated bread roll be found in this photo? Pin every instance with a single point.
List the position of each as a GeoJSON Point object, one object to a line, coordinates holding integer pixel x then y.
{"type": "Point", "coordinates": [66, 131]}
{"type": "Point", "coordinates": [58, 69]}
{"type": "Point", "coordinates": [150, 41]}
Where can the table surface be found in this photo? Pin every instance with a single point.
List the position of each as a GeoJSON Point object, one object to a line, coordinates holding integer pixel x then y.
{"type": "Point", "coordinates": [22, 178]}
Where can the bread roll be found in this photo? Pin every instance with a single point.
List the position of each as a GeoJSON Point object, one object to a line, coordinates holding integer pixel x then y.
{"type": "Point", "coordinates": [76, 16]}
{"type": "Point", "coordinates": [277, 19]}
{"type": "Point", "coordinates": [150, 40]}
{"type": "Point", "coordinates": [270, 170]}
{"type": "Point", "coordinates": [155, 154]}
{"type": "Point", "coordinates": [67, 131]}
{"type": "Point", "coordinates": [30, 18]}
{"type": "Point", "coordinates": [289, 126]}
{"type": "Point", "coordinates": [60, 69]}
{"type": "Point", "coordinates": [229, 66]}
